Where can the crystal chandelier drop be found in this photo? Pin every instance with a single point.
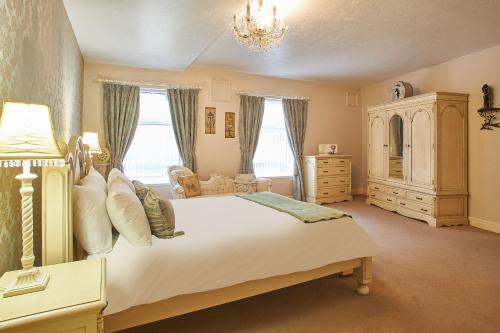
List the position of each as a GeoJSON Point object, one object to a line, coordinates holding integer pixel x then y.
{"type": "Point", "coordinates": [260, 29]}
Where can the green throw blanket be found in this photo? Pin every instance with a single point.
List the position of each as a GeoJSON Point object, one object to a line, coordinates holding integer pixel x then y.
{"type": "Point", "coordinates": [305, 211]}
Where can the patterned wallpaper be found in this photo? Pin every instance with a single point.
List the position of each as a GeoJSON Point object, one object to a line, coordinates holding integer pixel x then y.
{"type": "Point", "coordinates": [40, 62]}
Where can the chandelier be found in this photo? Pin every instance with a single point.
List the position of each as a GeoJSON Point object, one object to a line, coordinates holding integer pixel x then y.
{"type": "Point", "coordinates": [260, 29]}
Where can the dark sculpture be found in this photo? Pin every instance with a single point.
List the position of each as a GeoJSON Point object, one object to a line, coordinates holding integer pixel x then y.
{"type": "Point", "coordinates": [487, 96]}
{"type": "Point", "coordinates": [488, 112]}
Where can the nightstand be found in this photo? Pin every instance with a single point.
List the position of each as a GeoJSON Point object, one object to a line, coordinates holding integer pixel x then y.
{"type": "Point", "coordinates": [73, 301]}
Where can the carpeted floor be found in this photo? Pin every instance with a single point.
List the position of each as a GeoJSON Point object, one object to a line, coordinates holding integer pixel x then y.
{"type": "Point", "coordinates": [425, 280]}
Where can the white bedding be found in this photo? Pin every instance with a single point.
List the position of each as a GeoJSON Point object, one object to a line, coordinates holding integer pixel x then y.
{"type": "Point", "coordinates": [228, 241]}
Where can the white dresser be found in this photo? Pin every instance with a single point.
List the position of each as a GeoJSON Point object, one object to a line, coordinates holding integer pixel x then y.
{"type": "Point", "coordinates": [417, 157]}
{"type": "Point", "coordinates": [327, 178]}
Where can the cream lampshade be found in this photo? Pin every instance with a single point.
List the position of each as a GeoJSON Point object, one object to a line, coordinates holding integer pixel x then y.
{"type": "Point", "coordinates": [27, 139]}
{"type": "Point", "coordinates": [92, 140]}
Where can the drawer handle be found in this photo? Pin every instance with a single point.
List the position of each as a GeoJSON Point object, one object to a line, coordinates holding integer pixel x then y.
{"type": "Point", "coordinates": [419, 198]}
{"type": "Point", "coordinates": [342, 170]}
{"type": "Point", "coordinates": [372, 195]}
{"type": "Point", "coordinates": [395, 192]}
{"type": "Point", "coordinates": [342, 181]}
{"type": "Point", "coordinates": [402, 204]}
{"type": "Point", "coordinates": [325, 192]}
{"type": "Point", "coordinates": [341, 161]}
{"type": "Point", "coordinates": [325, 171]}
{"type": "Point", "coordinates": [377, 188]}
{"type": "Point", "coordinates": [424, 210]}
{"type": "Point", "coordinates": [342, 191]}
{"type": "Point", "coordinates": [390, 200]}
{"type": "Point", "coordinates": [325, 183]}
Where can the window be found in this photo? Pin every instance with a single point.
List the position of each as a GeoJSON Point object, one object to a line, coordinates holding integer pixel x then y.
{"type": "Point", "coordinates": [273, 156]}
{"type": "Point", "coordinates": [154, 148]}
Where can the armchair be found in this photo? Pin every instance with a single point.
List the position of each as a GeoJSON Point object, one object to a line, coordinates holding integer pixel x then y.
{"type": "Point", "coordinates": [217, 184]}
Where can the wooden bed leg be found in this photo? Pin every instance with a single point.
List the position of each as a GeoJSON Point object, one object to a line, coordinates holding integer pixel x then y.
{"type": "Point", "coordinates": [363, 275]}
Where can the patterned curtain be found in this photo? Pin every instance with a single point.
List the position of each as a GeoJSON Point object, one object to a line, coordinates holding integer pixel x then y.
{"type": "Point", "coordinates": [295, 112]}
{"type": "Point", "coordinates": [121, 115]}
{"type": "Point", "coordinates": [184, 109]}
{"type": "Point", "coordinates": [250, 121]}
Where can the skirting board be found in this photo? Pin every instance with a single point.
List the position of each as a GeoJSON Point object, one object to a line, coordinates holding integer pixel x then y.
{"type": "Point", "coordinates": [359, 191]}
{"type": "Point", "coordinates": [483, 224]}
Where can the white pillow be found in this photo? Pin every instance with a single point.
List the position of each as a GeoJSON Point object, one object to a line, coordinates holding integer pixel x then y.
{"type": "Point", "coordinates": [95, 178]}
{"type": "Point", "coordinates": [127, 214]}
{"type": "Point", "coordinates": [92, 226]}
{"type": "Point", "coordinates": [114, 174]}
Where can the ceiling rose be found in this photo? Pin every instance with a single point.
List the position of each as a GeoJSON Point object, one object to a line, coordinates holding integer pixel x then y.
{"type": "Point", "coordinates": [260, 28]}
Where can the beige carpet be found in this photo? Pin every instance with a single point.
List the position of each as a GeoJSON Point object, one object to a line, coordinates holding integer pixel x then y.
{"type": "Point", "coordinates": [425, 280]}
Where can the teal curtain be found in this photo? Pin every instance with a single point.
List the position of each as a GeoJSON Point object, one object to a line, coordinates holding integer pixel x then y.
{"type": "Point", "coordinates": [184, 109]}
{"type": "Point", "coordinates": [250, 121]}
{"type": "Point", "coordinates": [295, 112]}
{"type": "Point", "coordinates": [121, 115]}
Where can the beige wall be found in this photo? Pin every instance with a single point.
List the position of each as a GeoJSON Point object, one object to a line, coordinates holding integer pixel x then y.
{"type": "Point", "coordinates": [329, 120]}
{"type": "Point", "coordinates": [40, 62]}
{"type": "Point", "coordinates": [464, 75]}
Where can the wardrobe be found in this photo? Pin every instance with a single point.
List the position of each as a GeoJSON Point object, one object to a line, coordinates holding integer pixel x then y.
{"type": "Point", "coordinates": [417, 157]}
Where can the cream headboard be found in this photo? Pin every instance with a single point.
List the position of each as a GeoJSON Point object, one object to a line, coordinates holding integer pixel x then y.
{"type": "Point", "coordinates": [58, 244]}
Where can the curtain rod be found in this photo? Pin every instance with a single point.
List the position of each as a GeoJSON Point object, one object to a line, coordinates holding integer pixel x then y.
{"type": "Point", "coordinates": [305, 98]}
{"type": "Point", "coordinates": [146, 84]}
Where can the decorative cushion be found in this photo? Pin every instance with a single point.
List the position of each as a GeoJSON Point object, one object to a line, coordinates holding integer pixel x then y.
{"type": "Point", "coordinates": [92, 226]}
{"type": "Point", "coordinates": [191, 185]}
{"type": "Point", "coordinates": [160, 214]}
{"type": "Point", "coordinates": [140, 189]}
{"type": "Point", "coordinates": [127, 214]}
{"type": "Point", "coordinates": [246, 183]}
{"type": "Point", "coordinates": [114, 174]}
{"type": "Point", "coordinates": [96, 179]}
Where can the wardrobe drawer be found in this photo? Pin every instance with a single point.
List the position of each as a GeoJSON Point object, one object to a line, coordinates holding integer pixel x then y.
{"type": "Point", "coordinates": [390, 199]}
{"type": "Point", "coordinates": [378, 195]}
{"type": "Point", "coordinates": [419, 197]}
{"type": "Point", "coordinates": [324, 162]}
{"type": "Point", "coordinates": [332, 171]}
{"type": "Point", "coordinates": [340, 162]}
{"type": "Point", "coordinates": [396, 163]}
{"type": "Point", "coordinates": [423, 209]}
{"type": "Point", "coordinates": [376, 188]}
{"type": "Point", "coordinates": [394, 191]}
{"type": "Point", "coordinates": [332, 181]}
{"type": "Point", "coordinates": [332, 191]}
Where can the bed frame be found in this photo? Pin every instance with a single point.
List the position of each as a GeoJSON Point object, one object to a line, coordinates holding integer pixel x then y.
{"type": "Point", "coordinates": [59, 245]}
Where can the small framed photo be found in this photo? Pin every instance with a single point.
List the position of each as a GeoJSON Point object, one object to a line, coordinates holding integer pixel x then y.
{"type": "Point", "coordinates": [328, 149]}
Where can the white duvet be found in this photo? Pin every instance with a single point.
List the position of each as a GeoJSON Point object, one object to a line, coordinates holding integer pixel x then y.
{"type": "Point", "coordinates": [228, 241]}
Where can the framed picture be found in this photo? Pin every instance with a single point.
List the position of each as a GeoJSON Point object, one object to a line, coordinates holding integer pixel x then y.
{"type": "Point", "coordinates": [328, 149]}
{"type": "Point", "coordinates": [230, 128]}
{"type": "Point", "coordinates": [210, 120]}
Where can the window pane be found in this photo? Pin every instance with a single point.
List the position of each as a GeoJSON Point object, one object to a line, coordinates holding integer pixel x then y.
{"type": "Point", "coordinates": [273, 156]}
{"type": "Point", "coordinates": [153, 149]}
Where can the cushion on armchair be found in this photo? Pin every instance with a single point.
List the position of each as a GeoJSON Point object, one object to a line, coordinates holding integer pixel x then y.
{"type": "Point", "coordinates": [191, 185]}
{"type": "Point", "coordinates": [246, 183]}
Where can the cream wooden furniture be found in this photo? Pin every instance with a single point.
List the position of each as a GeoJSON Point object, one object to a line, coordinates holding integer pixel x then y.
{"type": "Point", "coordinates": [79, 162]}
{"type": "Point", "coordinates": [72, 302]}
{"type": "Point", "coordinates": [417, 157]}
{"type": "Point", "coordinates": [217, 184]}
{"type": "Point", "coordinates": [327, 178]}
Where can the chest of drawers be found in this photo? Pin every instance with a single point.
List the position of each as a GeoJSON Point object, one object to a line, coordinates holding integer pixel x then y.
{"type": "Point", "coordinates": [327, 179]}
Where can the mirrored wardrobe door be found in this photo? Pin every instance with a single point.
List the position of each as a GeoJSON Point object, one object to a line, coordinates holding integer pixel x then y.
{"type": "Point", "coordinates": [396, 147]}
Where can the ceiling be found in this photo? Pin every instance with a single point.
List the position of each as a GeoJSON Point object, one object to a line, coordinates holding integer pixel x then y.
{"type": "Point", "coordinates": [350, 42]}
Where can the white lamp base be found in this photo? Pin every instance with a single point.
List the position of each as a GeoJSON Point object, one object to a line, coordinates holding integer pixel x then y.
{"type": "Point", "coordinates": [28, 281]}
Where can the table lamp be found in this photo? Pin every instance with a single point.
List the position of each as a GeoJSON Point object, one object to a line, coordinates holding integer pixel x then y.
{"type": "Point", "coordinates": [27, 139]}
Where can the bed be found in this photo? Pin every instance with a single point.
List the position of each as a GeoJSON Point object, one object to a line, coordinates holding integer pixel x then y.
{"type": "Point", "coordinates": [232, 249]}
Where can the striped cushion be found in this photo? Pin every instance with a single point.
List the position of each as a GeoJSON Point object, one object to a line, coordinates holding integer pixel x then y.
{"type": "Point", "coordinates": [160, 214]}
{"type": "Point", "coordinates": [140, 189]}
